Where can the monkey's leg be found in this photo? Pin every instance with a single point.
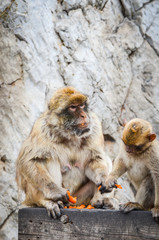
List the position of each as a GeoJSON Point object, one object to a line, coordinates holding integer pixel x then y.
{"type": "Point", "coordinates": [85, 193]}
{"type": "Point", "coordinates": [144, 197]}
{"type": "Point", "coordinates": [39, 177]}
{"type": "Point", "coordinates": [155, 214]}
{"type": "Point", "coordinates": [53, 208]}
{"type": "Point", "coordinates": [155, 176]}
{"type": "Point", "coordinates": [37, 198]}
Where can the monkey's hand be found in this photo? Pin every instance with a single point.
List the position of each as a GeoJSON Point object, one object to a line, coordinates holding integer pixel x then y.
{"type": "Point", "coordinates": [107, 184]}
{"type": "Point", "coordinates": [101, 183]}
{"type": "Point", "coordinates": [155, 214]}
{"type": "Point", "coordinates": [110, 183]}
{"type": "Point", "coordinates": [102, 188]}
{"type": "Point", "coordinates": [55, 193]}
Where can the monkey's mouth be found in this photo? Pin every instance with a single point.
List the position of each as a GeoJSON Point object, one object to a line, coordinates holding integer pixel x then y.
{"type": "Point", "coordinates": [133, 151]}
{"type": "Point", "coordinates": [82, 131]}
{"type": "Point", "coordinates": [83, 125]}
{"type": "Point", "coordinates": [129, 151]}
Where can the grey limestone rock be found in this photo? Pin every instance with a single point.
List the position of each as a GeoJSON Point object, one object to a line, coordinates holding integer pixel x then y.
{"type": "Point", "coordinates": [108, 49]}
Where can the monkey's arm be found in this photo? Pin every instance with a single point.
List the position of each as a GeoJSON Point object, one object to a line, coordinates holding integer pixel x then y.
{"type": "Point", "coordinates": [97, 170]}
{"type": "Point", "coordinates": [156, 179]}
{"type": "Point", "coordinates": [35, 172]}
{"type": "Point", "coordinates": [119, 169]}
{"type": "Point", "coordinates": [154, 167]}
{"type": "Point", "coordinates": [98, 167]}
{"type": "Point", "coordinates": [155, 210]}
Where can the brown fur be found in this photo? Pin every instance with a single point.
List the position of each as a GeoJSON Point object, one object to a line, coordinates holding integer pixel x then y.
{"type": "Point", "coordinates": [135, 131]}
{"type": "Point", "coordinates": [139, 157]}
{"type": "Point", "coordinates": [64, 97]}
{"type": "Point", "coordinates": [55, 158]}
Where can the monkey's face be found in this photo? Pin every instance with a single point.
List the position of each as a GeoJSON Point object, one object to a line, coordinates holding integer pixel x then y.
{"type": "Point", "coordinates": [137, 136]}
{"type": "Point", "coordinates": [75, 118]}
{"type": "Point", "coordinates": [135, 149]}
{"type": "Point", "coordinates": [138, 144]}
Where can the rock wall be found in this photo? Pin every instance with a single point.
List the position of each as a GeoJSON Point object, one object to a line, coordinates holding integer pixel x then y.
{"type": "Point", "coordinates": [108, 49]}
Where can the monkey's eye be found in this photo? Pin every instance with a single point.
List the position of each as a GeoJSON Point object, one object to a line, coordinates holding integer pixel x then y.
{"type": "Point", "coordinates": [82, 106]}
{"type": "Point", "coordinates": [73, 108]}
{"type": "Point", "coordinates": [139, 147]}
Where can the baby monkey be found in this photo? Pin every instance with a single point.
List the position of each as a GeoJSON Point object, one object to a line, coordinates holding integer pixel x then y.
{"type": "Point", "coordinates": [139, 157]}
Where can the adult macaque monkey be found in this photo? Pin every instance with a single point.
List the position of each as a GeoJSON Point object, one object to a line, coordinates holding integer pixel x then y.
{"type": "Point", "coordinates": [139, 157]}
{"type": "Point", "coordinates": [64, 151]}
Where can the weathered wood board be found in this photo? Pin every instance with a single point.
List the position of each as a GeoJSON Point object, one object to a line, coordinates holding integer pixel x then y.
{"type": "Point", "coordinates": [34, 223]}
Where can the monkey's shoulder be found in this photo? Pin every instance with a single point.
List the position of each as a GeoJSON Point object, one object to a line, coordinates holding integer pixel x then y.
{"type": "Point", "coordinates": [96, 133]}
{"type": "Point", "coordinates": [95, 119]}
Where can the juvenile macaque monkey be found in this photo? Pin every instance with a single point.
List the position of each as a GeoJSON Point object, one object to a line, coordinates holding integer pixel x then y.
{"type": "Point", "coordinates": [64, 151]}
{"type": "Point", "coordinates": [139, 157]}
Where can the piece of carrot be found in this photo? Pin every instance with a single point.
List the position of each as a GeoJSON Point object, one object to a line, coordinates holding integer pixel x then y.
{"type": "Point", "coordinates": [81, 206]}
{"type": "Point", "coordinates": [89, 207]}
{"type": "Point", "coordinates": [71, 199]}
{"type": "Point", "coordinates": [118, 186]}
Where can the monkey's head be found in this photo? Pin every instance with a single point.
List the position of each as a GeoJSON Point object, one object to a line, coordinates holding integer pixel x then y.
{"type": "Point", "coordinates": [71, 108]}
{"type": "Point", "coordinates": [137, 136]}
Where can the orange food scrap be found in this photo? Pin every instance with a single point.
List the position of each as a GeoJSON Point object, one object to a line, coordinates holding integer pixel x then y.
{"type": "Point", "coordinates": [118, 186]}
{"type": "Point", "coordinates": [71, 199]}
{"type": "Point", "coordinates": [89, 207]}
{"type": "Point", "coordinates": [81, 206]}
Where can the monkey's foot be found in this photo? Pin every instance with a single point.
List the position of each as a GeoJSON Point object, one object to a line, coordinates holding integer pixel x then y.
{"type": "Point", "coordinates": [155, 214]}
{"type": "Point", "coordinates": [53, 208]}
{"type": "Point", "coordinates": [130, 206]}
{"type": "Point", "coordinates": [106, 203]}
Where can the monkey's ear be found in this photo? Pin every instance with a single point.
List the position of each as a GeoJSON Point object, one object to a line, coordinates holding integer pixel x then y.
{"type": "Point", "coordinates": [151, 137]}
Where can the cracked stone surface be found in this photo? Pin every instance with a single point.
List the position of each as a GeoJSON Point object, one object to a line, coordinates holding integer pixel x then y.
{"type": "Point", "coordinates": [107, 49]}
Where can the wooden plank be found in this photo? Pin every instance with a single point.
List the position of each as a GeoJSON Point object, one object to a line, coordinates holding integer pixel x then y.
{"type": "Point", "coordinates": [34, 223]}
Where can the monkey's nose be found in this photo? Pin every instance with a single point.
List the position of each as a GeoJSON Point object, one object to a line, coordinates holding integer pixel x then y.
{"type": "Point", "coordinates": [83, 115]}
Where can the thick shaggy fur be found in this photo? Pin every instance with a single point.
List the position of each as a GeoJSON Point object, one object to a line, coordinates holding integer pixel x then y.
{"type": "Point", "coordinates": [139, 157]}
{"type": "Point", "coordinates": [55, 157]}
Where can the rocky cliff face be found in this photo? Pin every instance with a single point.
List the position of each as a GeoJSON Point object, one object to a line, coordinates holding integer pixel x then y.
{"type": "Point", "coordinates": [108, 49]}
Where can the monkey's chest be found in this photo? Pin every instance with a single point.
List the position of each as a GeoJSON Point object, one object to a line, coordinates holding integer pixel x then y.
{"type": "Point", "coordinates": [73, 178]}
{"type": "Point", "coordinates": [72, 163]}
{"type": "Point", "coordinates": [137, 172]}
